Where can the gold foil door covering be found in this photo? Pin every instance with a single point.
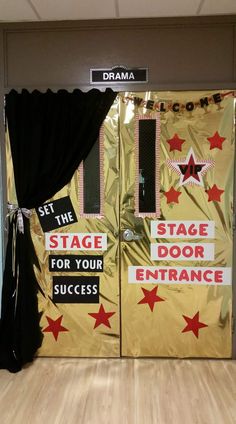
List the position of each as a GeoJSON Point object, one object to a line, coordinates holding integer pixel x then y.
{"type": "Point", "coordinates": [158, 319]}
{"type": "Point", "coordinates": [178, 320]}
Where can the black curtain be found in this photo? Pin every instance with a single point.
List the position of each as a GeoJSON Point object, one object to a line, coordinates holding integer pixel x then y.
{"type": "Point", "coordinates": [50, 134]}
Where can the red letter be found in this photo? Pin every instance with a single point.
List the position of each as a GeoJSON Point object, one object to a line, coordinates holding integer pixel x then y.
{"type": "Point", "coordinates": [75, 243]}
{"type": "Point", "coordinates": [161, 229]}
{"type": "Point", "coordinates": [53, 242]}
{"type": "Point", "coordinates": [171, 227]}
{"type": "Point", "coordinates": [172, 275]}
{"type": "Point", "coordinates": [203, 230]}
{"type": "Point", "coordinates": [199, 251]}
{"type": "Point", "coordinates": [218, 276]}
{"type": "Point", "coordinates": [139, 274]}
{"type": "Point", "coordinates": [98, 242]}
{"type": "Point", "coordinates": [162, 251]}
{"type": "Point", "coordinates": [181, 230]}
{"type": "Point", "coordinates": [85, 243]}
{"type": "Point", "coordinates": [192, 230]}
{"type": "Point", "coordinates": [64, 239]}
{"type": "Point", "coordinates": [175, 251]}
{"type": "Point", "coordinates": [207, 279]}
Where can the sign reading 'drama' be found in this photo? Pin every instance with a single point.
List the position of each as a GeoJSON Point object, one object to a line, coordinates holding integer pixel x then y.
{"type": "Point", "coordinates": [118, 74]}
{"type": "Point", "coordinates": [56, 214]}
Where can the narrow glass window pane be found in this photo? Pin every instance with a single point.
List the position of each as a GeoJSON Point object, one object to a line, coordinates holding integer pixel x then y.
{"type": "Point", "coordinates": [147, 165]}
{"type": "Point", "coordinates": [91, 181]}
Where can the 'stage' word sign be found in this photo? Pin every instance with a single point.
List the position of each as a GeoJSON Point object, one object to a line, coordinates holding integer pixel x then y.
{"type": "Point", "coordinates": [75, 241]}
{"type": "Point", "coordinates": [183, 229]}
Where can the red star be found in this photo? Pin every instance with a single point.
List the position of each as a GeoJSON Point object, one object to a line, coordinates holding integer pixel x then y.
{"type": "Point", "coordinates": [193, 324]}
{"type": "Point", "coordinates": [150, 297]}
{"type": "Point", "coordinates": [54, 326]}
{"type": "Point", "coordinates": [102, 317]}
{"type": "Point", "coordinates": [172, 195]}
{"type": "Point", "coordinates": [214, 193]}
{"type": "Point", "coordinates": [175, 143]}
{"type": "Point", "coordinates": [216, 141]}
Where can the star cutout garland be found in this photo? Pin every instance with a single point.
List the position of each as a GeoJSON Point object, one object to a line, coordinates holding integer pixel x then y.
{"type": "Point", "coordinates": [175, 143]}
{"type": "Point", "coordinates": [101, 317]}
{"type": "Point", "coordinates": [216, 141]}
{"type": "Point", "coordinates": [54, 326]}
{"type": "Point", "coordinates": [172, 195]}
{"type": "Point", "coordinates": [193, 324]}
{"type": "Point", "coordinates": [214, 193]}
{"type": "Point", "coordinates": [150, 297]}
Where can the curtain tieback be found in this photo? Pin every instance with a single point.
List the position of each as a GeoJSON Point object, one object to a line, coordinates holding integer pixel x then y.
{"type": "Point", "coordinates": [12, 209]}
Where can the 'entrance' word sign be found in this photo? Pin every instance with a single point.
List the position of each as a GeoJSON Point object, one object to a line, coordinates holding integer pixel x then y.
{"type": "Point", "coordinates": [56, 214]}
{"type": "Point", "coordinates": [180, 275]}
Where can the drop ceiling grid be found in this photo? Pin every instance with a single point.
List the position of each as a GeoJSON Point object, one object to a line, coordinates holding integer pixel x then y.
{"type": "Point", "coordinates": [56, 10]}
{"type": "Point", "coordinates": [215, 7]}
{"type": "Point", "coordinates": [75, 9]}
{"type": "Point", "coordinates": [13, 10]}
{"type": "Point", "coordinates": [157, 8]}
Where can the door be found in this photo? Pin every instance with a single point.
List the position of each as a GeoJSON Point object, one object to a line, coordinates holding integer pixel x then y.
{"type": "Point", "coordinates": [79, 260]}
{"type": "Point", "coordinates": [135, 254]}
{"type": "Point", "coordinates": [176, 223]}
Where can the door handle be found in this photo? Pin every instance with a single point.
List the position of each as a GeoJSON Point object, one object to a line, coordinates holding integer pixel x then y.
{"type": "Point", "coordinates": [129, 235]}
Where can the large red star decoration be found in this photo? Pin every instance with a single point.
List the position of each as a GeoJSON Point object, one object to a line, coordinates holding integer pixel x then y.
{"type": "Point", "coordinates": [216, 141]}
{"type": "Point", "coordinates": [190, 169]}
{"type": "Point", "coordinates": [214, 193]}
{"type": "Point", "coordinates": [150, 297]}
{"type": "Point", "coordinates": [101, 317]}
{"type": "Point", "coordinates": [193, 324]}
{"type": "Point", "coordinates": [172, 195]}
{"type": "Point", "coordinates": [175, 143]}
{"type": "Point", "coordinates": [54, 326]}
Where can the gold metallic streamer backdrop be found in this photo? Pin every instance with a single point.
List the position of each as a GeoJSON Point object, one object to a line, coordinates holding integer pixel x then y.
{"type": "Point", "coordinates": [147, 331]}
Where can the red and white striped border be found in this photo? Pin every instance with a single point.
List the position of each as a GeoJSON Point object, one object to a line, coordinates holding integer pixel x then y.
{"type": "Point", "coordinates": [155, 214]}
{"type": "Point", "coordinates": [81, 181]}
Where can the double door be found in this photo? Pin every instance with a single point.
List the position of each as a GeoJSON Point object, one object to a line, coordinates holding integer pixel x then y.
{"type": "Point", "coordinates": [144, 269]}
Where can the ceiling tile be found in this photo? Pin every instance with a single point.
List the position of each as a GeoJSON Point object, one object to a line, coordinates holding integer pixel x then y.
{"type": "Point", "coordinates": [75, 9]}
{"type": "Point", "coordinates": [213, 7]}
{"type": "Point", "coordinates": [16, 10]}
{"type": "Point", "coordinates": [156, 8]}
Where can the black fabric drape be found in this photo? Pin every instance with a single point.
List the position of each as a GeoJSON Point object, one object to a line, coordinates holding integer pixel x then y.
{"type": "Point", "coordinates": [50, 134]}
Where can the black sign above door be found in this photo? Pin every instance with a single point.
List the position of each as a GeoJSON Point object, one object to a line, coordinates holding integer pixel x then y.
{"type": "Point", "coordinates": [118, 75]}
